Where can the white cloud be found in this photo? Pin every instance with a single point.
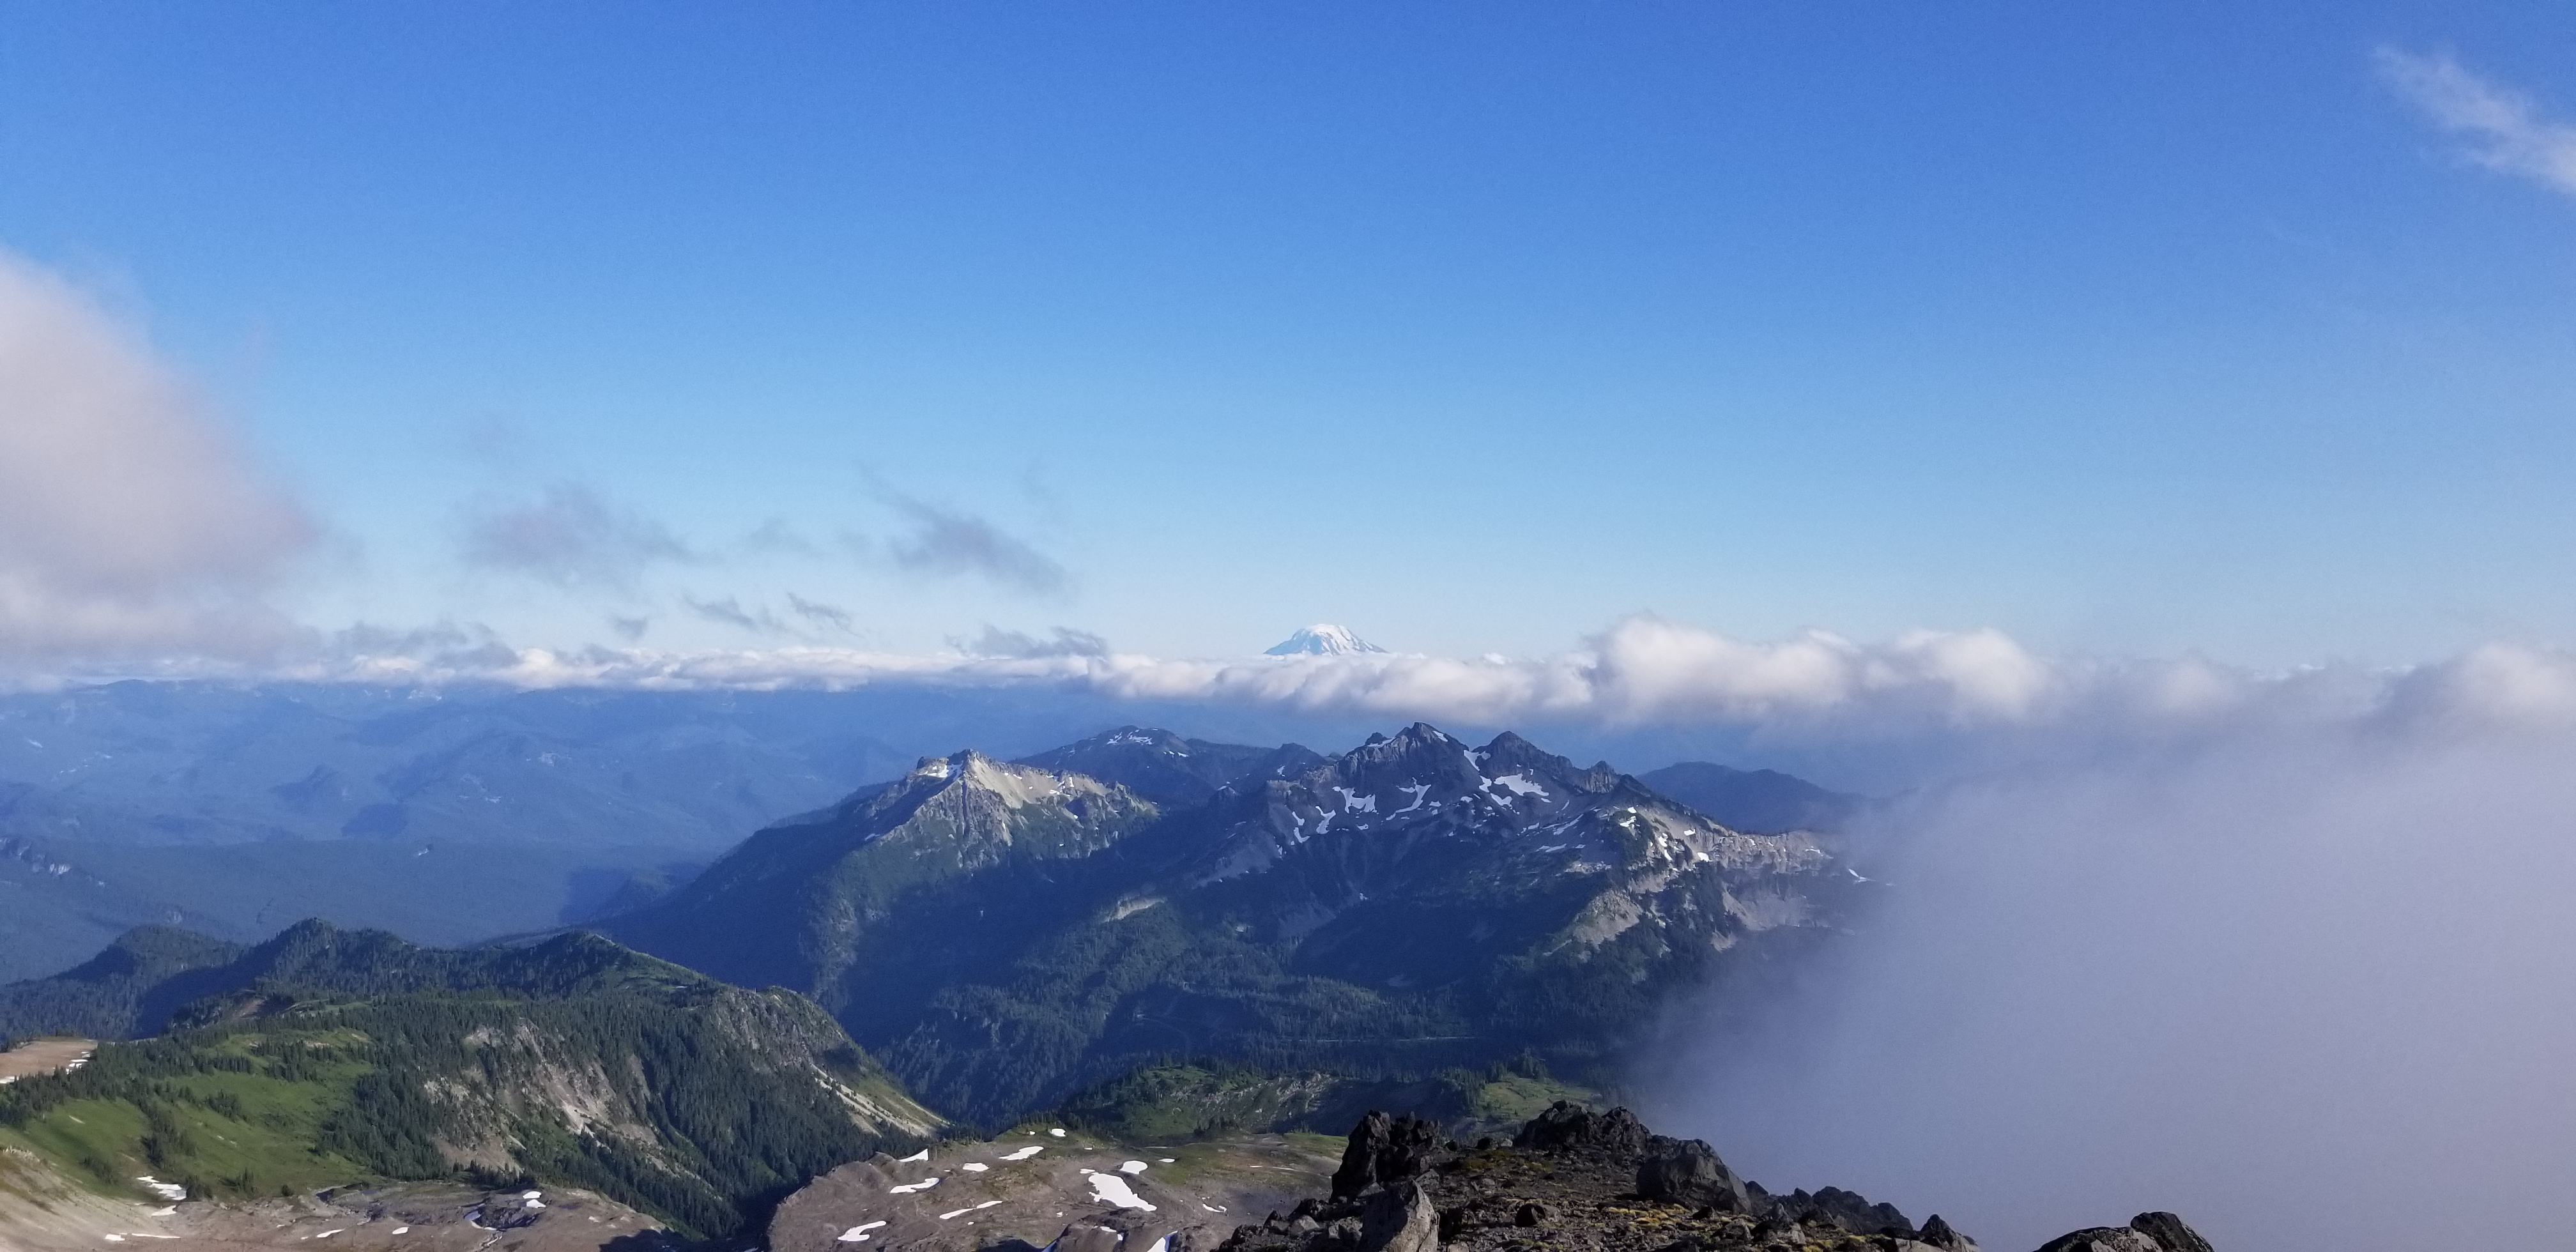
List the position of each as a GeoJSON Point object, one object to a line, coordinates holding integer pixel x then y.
{"type": "Point", "coordinates": [1921, 705]}
{"type": "Point", "coordinates": [2508, 131]}
{"type": "Point", "coordinates": [2266, 976]}
{"type": "Point", "coordinates": [132, 524]}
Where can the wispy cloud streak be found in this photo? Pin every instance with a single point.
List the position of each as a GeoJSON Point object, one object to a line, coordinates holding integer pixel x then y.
{"type": "Point", "coordinates": [948, 542]}
{"type": "Point", "coordinates": [2507, 130]}
{"type": "Point", "coordinates": [570, 537]}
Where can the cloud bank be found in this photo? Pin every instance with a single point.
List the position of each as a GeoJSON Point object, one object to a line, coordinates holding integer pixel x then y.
{"type": "Point", "coordinates": [2308, 985]}
{"type": "Point", "coordinates": [133, 525]}
{"type": "Point", "coordinates": [1933, 703]}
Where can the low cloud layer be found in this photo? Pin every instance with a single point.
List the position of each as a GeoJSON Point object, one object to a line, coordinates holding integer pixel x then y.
{"type": "Point", "coordinates": [1924, 706]}
{"type": "Point", "coordinates": [2308, 985]}
{"type": "Point", "coordinates": [2506, 129]}
{"type": "Point", "coordinates": [133, 525]}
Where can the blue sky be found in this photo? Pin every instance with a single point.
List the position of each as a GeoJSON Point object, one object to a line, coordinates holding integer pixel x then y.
{"type": "Point", "coordinates": [2122, 329]}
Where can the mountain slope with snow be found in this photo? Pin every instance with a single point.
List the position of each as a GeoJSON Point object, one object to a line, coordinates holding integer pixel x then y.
{"type": "Point", "coordinates": [1322, 639]}
{"type": "Point", "coordinates": [1005, 934]}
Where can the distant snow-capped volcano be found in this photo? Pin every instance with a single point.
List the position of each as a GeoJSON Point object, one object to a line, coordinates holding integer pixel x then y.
{"type": "Point", "coordinates": [1322, 639]}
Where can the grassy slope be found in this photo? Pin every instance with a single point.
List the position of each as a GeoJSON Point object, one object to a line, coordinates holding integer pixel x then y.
{"type": "Point", "coordinates": [1172, 1103]}
{"type": "Point", "coordinates": [328, 1057]}
{"type": "Point", "coordinates": [237, 1133]}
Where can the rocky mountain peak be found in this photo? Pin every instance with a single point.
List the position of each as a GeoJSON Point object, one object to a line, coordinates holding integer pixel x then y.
{"type": "Point", "coordinates": [1005, 783]}
{"type": "Point", "coordinates": [1169, 770]}
{"type": "Point", "coordinates": [1420, 816]}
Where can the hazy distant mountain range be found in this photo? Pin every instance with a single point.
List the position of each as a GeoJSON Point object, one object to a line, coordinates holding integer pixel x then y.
{"type": "Point", "coordinates": [448, 816]}
{"type": "Point", "coordinates": [1006, 933]}
{"type": "Point", "coordinates": [452, 816]}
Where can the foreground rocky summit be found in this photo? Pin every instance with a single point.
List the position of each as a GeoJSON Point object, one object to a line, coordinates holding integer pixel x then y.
{"type": "Point", "coordinates": [1577, 1181]}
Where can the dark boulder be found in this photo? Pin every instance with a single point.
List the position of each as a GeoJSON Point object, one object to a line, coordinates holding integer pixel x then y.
{"type": "Point", "coordinates": [2102, 1239]}
{"type": "Point", "coordinates": [1853, 1212]}
{"type": "Point", "coordinates": [1384, 1151]}
{"type": "Point", "coordinates": [1571, 1127]}
{"type": "Point", "coordinates": [1688, 1171]}
{"type": "Point", "coordinates": [2169, 1232]}
{"type": "Point", "coordinates": [2147, 1232]}
{"type": "Point", "coordinates": [1938, 1233]}
{"type": "Point", "coordinates": [1087, 1237]}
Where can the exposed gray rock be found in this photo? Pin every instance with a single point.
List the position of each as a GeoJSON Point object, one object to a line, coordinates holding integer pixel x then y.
{"type": "Point", "coordinates": [1401, 1219]}
{"type": "Point", "coordinates": [2169, 1232]}
{"type": "Point", "coordinates": [1567, 1127]}
{"type": "Point", "coordinates": [1584, 1188]}
{"type": "Point", "coordinates": [1384, 1151]}
{"type": "Point", "coordinates": [2147, 1232]}
{"type": "Point", "coordinates": [1848, 1210]}
{"type": "Point", "coordinates": [2103, 1239]}
{"type": "Point", "coordinates": [1688, 1171]}
{"type": "Point", "coordinates": [1088, 1237]}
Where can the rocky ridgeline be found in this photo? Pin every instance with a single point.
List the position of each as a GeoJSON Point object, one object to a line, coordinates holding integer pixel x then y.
{"type": "Point", "coordinates": [1577, 1181]}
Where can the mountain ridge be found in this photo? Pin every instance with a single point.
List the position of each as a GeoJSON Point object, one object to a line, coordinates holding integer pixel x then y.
{"type": "Point", "coordinates": [1416, 897]}
{"type": "Point", "coordinates": [322, 1054]}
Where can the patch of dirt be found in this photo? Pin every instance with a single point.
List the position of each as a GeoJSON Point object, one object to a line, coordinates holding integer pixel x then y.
{"type": "Point", "coordinates": [1074, 1186]}
{"type": "Point", "coordinates": [40, 1211]}
{"type": "Point", "coordinates": [44, 1056]}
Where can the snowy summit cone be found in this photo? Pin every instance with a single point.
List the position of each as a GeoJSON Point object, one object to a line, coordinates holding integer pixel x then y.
{"type": "Point", "coordinates": [1322, 639]}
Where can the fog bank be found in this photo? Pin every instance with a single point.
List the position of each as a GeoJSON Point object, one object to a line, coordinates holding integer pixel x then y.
{"type": "Point", "coordinates": [2310, 986]}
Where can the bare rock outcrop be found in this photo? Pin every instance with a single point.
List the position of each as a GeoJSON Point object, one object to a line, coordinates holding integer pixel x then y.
{"type": "Point", "coordinates": [2147, 1232]}
{"type": "Point", "coordinates": [1384, 1151]}
{"type": "Point", "coordinates": [1571, 1179]}
{"type": "Point", "coordinates": [1688, 1171]}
